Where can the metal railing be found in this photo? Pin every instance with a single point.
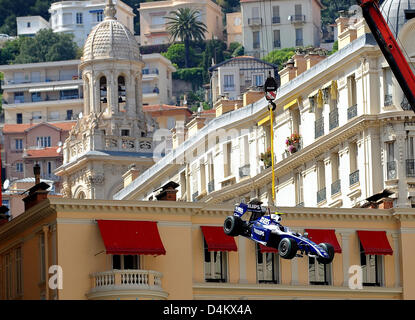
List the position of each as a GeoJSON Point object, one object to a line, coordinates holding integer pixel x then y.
{"type": "Point", "coordinates": [150, 71]}
{"type": "Point", "coordinates": [335, 187]}
{"type": "Point", "coordinates": [299, 42]}
{"type": "Point", "coordinates": [410, 167]}
{"type": "Point", "coordinates": [211, 186]}
{"type": "Point", "coordinates": [297, 18]}
{"type": "Point", "coordinates": [319, 128]}
{"type": "Point", "coordinates": [194, 196]}
{"type": "Point", "coordinates": [277, 44]}
{"type": "Point", "coordinates": [321, 195]}
{"type": "Point", "coordinates": [276, 20]}
{"type": "Point", "coordinates": [391, 169]}
{"type": "Point", "coordinates": [333, 119]}
{"type": "Point", "coordinates": [352, 112]}
{"type": "Point", "coordinates": [244, 171]}
{"type": "Point", "coordinates": [354, 178]}
{"type": "Point", "coordinates": [256, 45]}
{"type": "Point", "coordinates": [405, 104]}
{"type": "Point", "coordinates": [388, 100]}
{"type": "Point", "coordinates": [254, 21]}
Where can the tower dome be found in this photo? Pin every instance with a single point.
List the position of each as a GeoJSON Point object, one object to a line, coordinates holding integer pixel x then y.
{"type": "Point", "coordinates": [110, 39]}
{"type": "Point", "coordinates": [394, 13]}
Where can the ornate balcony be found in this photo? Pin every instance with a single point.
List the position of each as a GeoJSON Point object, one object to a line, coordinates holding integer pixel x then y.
{"type": "Point", "coordinates": [410, 167]}
{"type": "Point", "coordinates": [277, 44]}
{"type": "Point", "coordinates": [244, 171]}
{"type": "Point", "coordinates": [335, 187]}
{"type": "Point", "coordinates": [321, 195]}
{"type": "Point", "coordinates": [388, 100]}
{"type": "Point", "coordinates": [297, 18]}
{"type": "Point", "coordinates": [126, 284]}
{"type": "Point", "coordinates": [252, 22]}
{"type": "Point", "coordinates": [319, 128]}
{"type": "Point", "coordinates": [276, 20]}
{"type": "Point", "coordinates": [354, 178]}
{"type": "Point", "coordinates": [352, 112]}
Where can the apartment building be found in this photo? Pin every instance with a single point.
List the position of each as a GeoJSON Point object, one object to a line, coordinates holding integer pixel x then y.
{"type": "Point", "coordinates": [153, 23]}
{"type": "Point", "coordinates": [80, 17]}
{"type": "Point", "coordinates": [277, 24]}
{"type": "Point", "coordinates": [29, 26]}
{"type": "Point", "coordinates": [28, 144]}
{"type": "Point", "coordinates": [233, 77]}
{"type": "Point", "coordinates": [42, 92]}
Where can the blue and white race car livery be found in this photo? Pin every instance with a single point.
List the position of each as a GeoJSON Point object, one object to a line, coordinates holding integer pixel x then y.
{"type": "Point", "coordinates": [265, 228]}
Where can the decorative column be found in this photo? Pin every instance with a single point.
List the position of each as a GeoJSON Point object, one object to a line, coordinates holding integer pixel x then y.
{"type": "Point", "coordinates": [345, 255]}
{"type": "Point", "coordinates": [396, 256]}
{"type": "Point", "coordinates": [242, 259]}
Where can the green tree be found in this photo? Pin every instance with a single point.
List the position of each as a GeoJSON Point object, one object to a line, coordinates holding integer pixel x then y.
{"type": "Point", "coordinates": [10, 50]}
{"type": "Point", "coordinates": [46, 46]}
{"type": "Point", "coordinates": [335, 47]}
{"type": "Point", "coordinates": [279, 57]}
{"type": "Point", "coordinates": [176, 54]}
{"type": "Point", "coordinates": [185, 26]}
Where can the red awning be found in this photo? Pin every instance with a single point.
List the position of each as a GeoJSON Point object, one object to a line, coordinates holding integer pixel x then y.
{"type": "Point", "coordinates": [324, 235]}
{"type": "Point", "coordinates": [217, 240]}
{"type": "Point", "coordinates": [131, 237]}
{"type": "Point", "coordinates": [265, 249]}
{"type": "Point", "coordinates": [374, 242]}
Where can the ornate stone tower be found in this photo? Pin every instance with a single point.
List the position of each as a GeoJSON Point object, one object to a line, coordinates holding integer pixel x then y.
{"type": "Point", "coordinates": [112, 132]}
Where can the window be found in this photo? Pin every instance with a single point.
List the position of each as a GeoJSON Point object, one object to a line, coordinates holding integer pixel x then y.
{"type": "Point", "coordinates": [122, 97]}
{"type": "Point", "coordinates": [157, 20]}
{"type": "Point", "coordinates": [351, 83]}
{"type": "Point", "coordinates": [410, 148]}
{"type": "Point", "coordinates": [69, 94]}
{"type": "Point", "coordinates": [229, 84]}
{"type": "Point", "coordinates": [256, 43]}
{"type": "Point", "coordinates": [18, 271]}
{"type": "Point", "coordinates": [8, 276]}
{"type": "Point", "coordinates": [69, 114]}
{"type": "Point", "coordinates": [103, 92]}
{"type": "Point", "coordinates": [54, 115]}
{"type": "Point", "coordinates": [43, 142]}
{"type": "Point", "coordinates": [387, 84]}
{"type": "Point", "coordinates": [244, 151]}
{"type": "Point", "coordinates": [227, 159]}
{"type": "Point", "coordinates": [353, 156]}
{"type": "Point", "coordinates": [372, 266]}
{"type": "Point", "coordinates": [211, 172]}
{"type": "Point", "coordinates": [298, 10]}
{"type": "Point", "coordinates": [35, 76]}
{"type": "Point", "coordinates": [29, 25]}
{"type": "Point", "coordinates": [79, 18]}
{"type": "Point", "coordinates": [36, 97]}
{"type": "Point", "coordinates": [258, 80]}
{"type": "Point", "coordinates": [215, 265]}
{"type": "Point", "coordinates": [36, 115]}
{"type": "Point", "coordinates": [267, 266]}
{"type": "Point", "coordinates": [255, 12]}
{"type": "Point", "coordinates": [318, 273]}
{"type": "Point", "coordinates": [321, 182]}
{"type": "Point", "coordinates": [18, 97]}
{"type": "Point", "coordinates": [125, 262]}
{"type": "Point", "coordinates": [276, 14]}
{"type": "Point", "coordinates": [299, 194]}
{"type": "Point", "coordinates": [299, 37]}
{"type": "Point", "coordinates": [18, 144]}
{"type": "Point", "coordinates": [335, 173]}
{"type": "Point", "coordinates": [19, 167]}
{"type": "Point", "coordinates": [202, 171]}
{"type": "Point", "coordinates": [67, 18]}
{"type": "Point", "coordinates": [171, 123]}
{"type": "Point", "coordinates": [19, 118]}
{"type": "Point", "coordinates": [49, 168]}
{"type": "Point", "coordinates": [125, 132]}
{"type": "Point", "coordinates": [277, 39]}
{"type": "Point", "coordinates": [100, 16]}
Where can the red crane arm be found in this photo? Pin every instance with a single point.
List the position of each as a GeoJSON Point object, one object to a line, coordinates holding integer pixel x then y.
{"type": "Point", "coordinates": [390, 48]}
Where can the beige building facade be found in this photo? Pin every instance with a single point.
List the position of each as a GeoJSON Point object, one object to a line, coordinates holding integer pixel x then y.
{"type": "Point", "coordinates": [234, 27]}
{"type": "Point", "coordinates": [92, 267]}
{"type": "Point", "coordinates": [277, 24]}
{"type": "Point", "coordinates": [153, 23]}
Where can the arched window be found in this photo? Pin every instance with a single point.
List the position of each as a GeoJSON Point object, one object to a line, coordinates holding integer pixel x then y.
{"type": "Point", "coordinates": [103, 94]}
{"type": "Point", "coordinates": [81, 195]}
{"type": "Point", "coordinates": [121, 94]}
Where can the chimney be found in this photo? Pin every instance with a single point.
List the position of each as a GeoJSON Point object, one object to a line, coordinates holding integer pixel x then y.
{"type": "Point", "coordinates": [38, 192]}
{"type": "Point", "coordinates": [300, 63]}
{"type": "Point", "coordinates": [131, 174]}
{"type": "Point", "coordinates": [386, 203]}
{"type": "Point", "coordinates": [288, 73]}
{"type": "Point", "coordinates": [168, 192]}
{"type": "Point", "coordinates": [313, 58]}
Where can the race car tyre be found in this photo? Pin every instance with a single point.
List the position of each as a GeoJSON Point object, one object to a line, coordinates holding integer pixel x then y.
{"type": "Point", "coordinates": [233, 226]}
{"type": "Point", "coordinates": [330, 251]}
{"type": "Point", "coordinates": [287, 248]}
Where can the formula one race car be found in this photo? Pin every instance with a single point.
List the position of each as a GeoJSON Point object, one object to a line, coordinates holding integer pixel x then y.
{"type": "Point", "coordinates": [265, 228]}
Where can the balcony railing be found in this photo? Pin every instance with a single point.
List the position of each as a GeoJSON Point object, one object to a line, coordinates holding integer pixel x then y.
{"type": "Point", "coordinates": [256, 45]}
{"type": "Point", "coordinates": [211, 186]}
{"type": "Point", "coordinates": [127, 280]}
{"type": "Point", "coordinates": [335, 187]}
{"type": "Point", "coordinates": [150, 71]}
{"type": "Point", "coordinates": [391, 169]}
{"type": "Point", "coordinates": [194, 196]}
{"type": "Point", "coordinates": [321, 195]}
{"type": "Point", "coordinates": [352, 112]}
{"type": "Point", "coordinates": [333, 119]}
{"type": "Point", "coordinates": [354, 178]}
{"type": "Point", "coordinates": [299, 42]}
{"type": "Point", "coordinates": [227, 88]}
{"type": "Point", "coordinates": [319, 128]}
{"type": "Point", "coordinates": [276, 20]}
{"type": "Point", "coordinates": [277, 44]}
{"type": "Point", "coordinates": [388, 100]}
{"type": "Point", "coordinates": [254, 21]}
{"type": "Point", "coordinates": [244, 171]}
{"type": "Point", "coordinates": [297, 18]}
{"type": "Point", "coordinates": [405, 104]}
{"type": "Point", "coordinates": [410, 167]}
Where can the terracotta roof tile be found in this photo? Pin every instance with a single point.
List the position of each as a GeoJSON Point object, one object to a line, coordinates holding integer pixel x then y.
{"type": "Point", "coordinates": [20, 128]}
{"type": "Point", "coordinates": [42, 153]}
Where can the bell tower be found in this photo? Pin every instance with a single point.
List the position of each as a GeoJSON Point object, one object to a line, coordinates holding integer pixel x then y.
{"type": "Point", "coordinates": [113, 132]}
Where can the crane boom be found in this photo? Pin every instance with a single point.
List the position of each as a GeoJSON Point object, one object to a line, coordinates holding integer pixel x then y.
{"type": "Point", "coordinates": [390, 48]}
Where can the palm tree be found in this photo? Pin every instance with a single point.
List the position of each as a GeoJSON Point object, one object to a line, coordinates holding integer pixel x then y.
{"type": "Point", "coordinates": [185, 26]}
